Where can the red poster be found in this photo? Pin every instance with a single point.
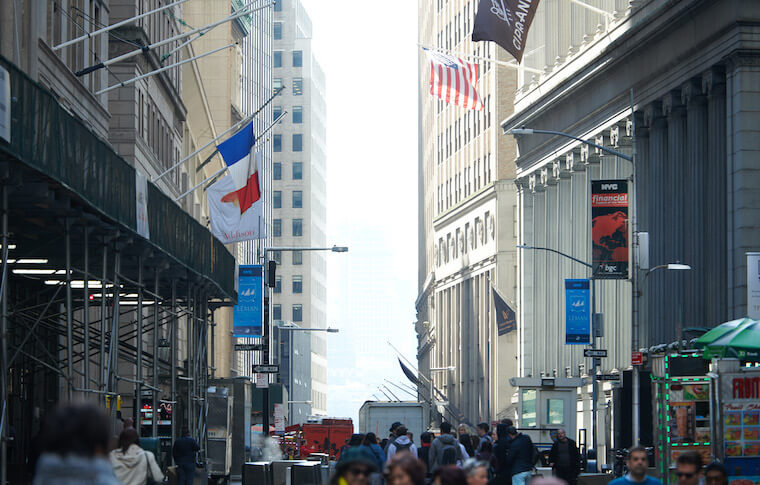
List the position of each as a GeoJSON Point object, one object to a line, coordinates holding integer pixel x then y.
{"type": "Point", "coordinates": [609, 228]}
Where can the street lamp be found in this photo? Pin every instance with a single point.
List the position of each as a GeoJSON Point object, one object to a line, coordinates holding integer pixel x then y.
{"type": "Point", "coordinates": [531, 131]}
{"type": "Point", "coordinates": [334, 249]}
{"type": "Point", "coordinates": [636, 420]}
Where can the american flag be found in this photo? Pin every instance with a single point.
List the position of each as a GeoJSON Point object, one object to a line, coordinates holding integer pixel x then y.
{"type": "Point", "coordinates": [453, 80]}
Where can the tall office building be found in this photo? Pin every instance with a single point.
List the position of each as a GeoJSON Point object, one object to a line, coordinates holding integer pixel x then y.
{"type": "Point", "coordinates": [299, 203]}
{"type": "Point", "coordinates": [467, 223]}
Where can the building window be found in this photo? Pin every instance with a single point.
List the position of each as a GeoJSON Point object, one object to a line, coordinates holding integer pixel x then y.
{"type": "Point", "coordinates": [277, 31]}
{"type": "Point", "coordinates": [555, 411]}
{"type": "Point", "coordinates": [277, 256]}
{"type": "Point", "coordinates": [277, 143]}
{"type": "Point", "coordinates": [277, 199]}
{"type": "Point", "coordinates": [277, 171]}
{"type": "Point", "coordinates": [529, 408]}
{"type": "Point", "coordinates": [278, 5]}
{"type": "Point", "coordinates": [298, 313]}
{"type": "Point", "coordinates": [276, 112]}
{"type": "Point", "coordinates": [277, 59]}
{"type": "Point", "coordinates": [276, 84]}
{"type": "Point", "coordinates": [297, 284]}
{"type": "Point", "coordinates": [298, 114]}
{"type": "Point", "coordinates": [297, 170]}
{"type": "Point", "coordinates": [297, 199]}
{"type": "Point", "coordinates": [278, 284]}
{"type": "Point", "coordinates": [297, 227]}
{"type": "Point", "coordinates": [297, 58]}
{"type": "Point", "coordinates": [297, 258]}
{"type": "Point", "coordinates": [276, 227]}
{"type": "Point", "coordinates": [276, 312]}
{"type": "Point", "coordinates": [297, 86]}
{"type": "Point", "coordinates": [297, 142]}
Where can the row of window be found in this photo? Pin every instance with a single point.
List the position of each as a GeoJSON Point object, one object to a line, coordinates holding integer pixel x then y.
{"type": "Point", "coordinates": [297, 199]}
{"type": "Point", "coordinates": [297, 58]}
{"type": "Point", "coordinates": [464, 130]}
{"type": "Point", "coordinates": [277, 84]}
{"type": "Point", "coordinates": [296, 255]}
{"type": "Point", "coordinates": [296, 315]}
{"type": "Point", "coordinates": [297, 228]}
{"type": "Point", "coordinates": [297, 284]}
{"type": "Point", "coordinates": [465, 183]}
{"type": "Point", "coordinates": [297, 142]}
{"type": "Point", "coordinates": [296, 113]}
{"type": "Point", "coordinates": [297, 172]}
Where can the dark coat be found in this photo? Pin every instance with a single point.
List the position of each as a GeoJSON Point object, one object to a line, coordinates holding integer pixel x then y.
{"type": "Point", "coordinates": [184, 451]}
{"type": "Point", "coordinates": [575, 456]}
{"type": "Point", "coordinates": [520, 455]}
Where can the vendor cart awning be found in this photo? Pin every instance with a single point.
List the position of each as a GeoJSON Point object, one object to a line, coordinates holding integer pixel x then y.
{"type": "Point", "coordinates": [738, 338]}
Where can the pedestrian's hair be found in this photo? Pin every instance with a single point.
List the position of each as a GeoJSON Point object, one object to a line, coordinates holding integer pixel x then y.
{"type": "Point", "coordinates": [356, 440]}
{"type": "Point", "coordinates": [715, 466]}
{"type": "Point", "coordinates": [690, 458]}
{"type": "Point", "coordinates": [511, 430]}
{"type": "Point", "coordinates": [449, 475]}
{"type": "Point", "coordinates": [445, 427]}
{"type": "Point", "coordinates": [484, 427]}
{"type": "Point", "coordinates": [507, 421]}
{"type": "Point", "coordinates": [75, 430]}
{"type": "Point", "coordinates": [127, 438]}
{"type": "Point", "coordinates": [486, 446]}
{"type": "Point", "coordinates": [185, 431]}
{"type": "Point", "coordinates": [426, 437]}
{"type": "Point", "coordinates": [471, 466]}
{"type": "Point", "coordinates": [413, 467]}
{"type": "Point", "coordinates": [401, 431]}
{"type": "Point", "coordinates": [637, 449]}
{"type": "Point", "coordinates": [370, 439]}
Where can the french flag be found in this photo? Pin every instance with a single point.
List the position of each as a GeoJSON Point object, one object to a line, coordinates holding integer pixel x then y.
{"type": "Point", "coordinates": [244, 168]}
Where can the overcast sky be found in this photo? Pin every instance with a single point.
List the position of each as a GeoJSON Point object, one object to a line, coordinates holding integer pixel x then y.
{"type": "Point", "coordinates": [368, 51]}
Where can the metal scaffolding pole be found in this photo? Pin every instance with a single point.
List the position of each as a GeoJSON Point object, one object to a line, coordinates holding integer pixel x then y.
{"type": "Point", "coordinates": [190, 329]}
{"type": "Point", "coordinates": [173, 359]}
{"type": "Point", "coordinates": [154, 421]}
{"type": "Point", "coordinates": [139, 344]}
{"type": "Point", "coordinates": [69, 329]}
{"type": "Point", "coordinates": [4, 343]}
{"type": "Point", "coordinates": [86, 309]}
{"type": "Point", "coordinates": [102, 385]}
{"type": "Point", "coordinates": [213, 344]}
{"type": "Point", "coordinates": [113, 354]}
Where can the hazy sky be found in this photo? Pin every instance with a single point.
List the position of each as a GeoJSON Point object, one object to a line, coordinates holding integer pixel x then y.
{"type": "Point", "coordinates": [368, 51]}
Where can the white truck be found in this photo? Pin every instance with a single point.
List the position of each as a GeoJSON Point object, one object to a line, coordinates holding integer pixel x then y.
{"type": "Point", "coordinates": [377, 417]}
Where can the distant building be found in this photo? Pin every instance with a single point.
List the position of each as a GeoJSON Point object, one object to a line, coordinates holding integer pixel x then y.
{"type": "Point", "coordinates": [293, 349]}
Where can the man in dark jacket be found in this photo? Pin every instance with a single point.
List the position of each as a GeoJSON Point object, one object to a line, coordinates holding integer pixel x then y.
{"type": "Point", "coordinates": [520, 456]}
{"type": "Point", "coordinates": [565, 459]}
{"type": "Point", "coordinates": [184, 457]}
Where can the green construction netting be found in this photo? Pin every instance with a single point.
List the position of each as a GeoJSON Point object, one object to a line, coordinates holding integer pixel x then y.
{"type": "Point", "coordinates": [47, 138]}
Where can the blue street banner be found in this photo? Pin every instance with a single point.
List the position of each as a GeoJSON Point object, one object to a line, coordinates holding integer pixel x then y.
{"type": "Point", "coordinates": [249, 312]}
{"type": "Point", "coordinates": [577, 312]}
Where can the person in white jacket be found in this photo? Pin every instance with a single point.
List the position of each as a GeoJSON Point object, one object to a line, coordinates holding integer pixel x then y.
{"type": "Point", "coordinates": [131, 464]}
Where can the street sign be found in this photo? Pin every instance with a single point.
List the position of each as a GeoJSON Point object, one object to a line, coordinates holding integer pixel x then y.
{"type": "Point", "coordinates": [262, 381]}
{"type": "Point", "coordinates": [595, 352]}
{"type": "Point", "coordinates": [266, 369]}
{"type": "Point", "coordinates": [608, 377]}
{"type": "Point", "coordinates": [637, 358]}
{"type": "Point", "coordinates": [250, 347]}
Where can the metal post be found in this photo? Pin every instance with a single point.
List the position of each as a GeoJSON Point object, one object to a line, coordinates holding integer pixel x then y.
{"type": "Point", "coordinates": [103, 312]}
{"type": "Point", "coordinates": [154, 424]}
{"type": "Point", "coordinates": [265, 361]}
{"type": "Point", "coordinates": [4, 344]}
{"type": "Point", "coordinates": [69, 330]}
{"type": "Point", "coordinates": [86, 309]}
{"type": "Point", "coordinates": [635, 338]}
{"type": "Point", "coordinates": [139, 346]}
{"type": "Point", "coordinates": [113, 354]}
{"type": "Point", "coordinates": [190, 367]}
{"type": "Point", "coordinates": [213, 344]}
{"type": "Point", "coordinates": [173, 358]}
{"type": "Point", "coordinates": [595, 363]}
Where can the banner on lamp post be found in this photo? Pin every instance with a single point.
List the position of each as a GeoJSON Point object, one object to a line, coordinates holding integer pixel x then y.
{"type": "Point", "coordinates": [577, 312]}
{"type": "Point", "coordinates": [609, 228]}
{"type": "Point", "coordinates": [249, 311]}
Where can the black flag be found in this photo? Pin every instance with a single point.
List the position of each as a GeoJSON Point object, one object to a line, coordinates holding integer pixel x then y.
{"type": "Point", "coordinates": [505, 22]}
{"type": "Point", "coordinates": [505, 316]}
{"type": "Point", "coordinates": [409, 374]}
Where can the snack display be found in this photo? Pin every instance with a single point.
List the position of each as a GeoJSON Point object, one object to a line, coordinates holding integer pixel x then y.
{"type": "Point", "coordinates": [732, 419]}
{"type": "Point", "coordinates": [752, 434]}
{"type": "Point", "coordinates": [751, 448]}
{"type": "Point", "coordinates": [696, 392]}
{"type": "Point", "coordinates": [732, 434]}
{"type": "Point", "coordinates": [751, 418]}
{"type": "Point", "coordinates": [733, 448]}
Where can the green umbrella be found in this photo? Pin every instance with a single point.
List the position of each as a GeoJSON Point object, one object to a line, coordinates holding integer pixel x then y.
{"type": "Point", "coordinates": [742, 342]}
{"type": "Point", "coordinates": [719, 331]}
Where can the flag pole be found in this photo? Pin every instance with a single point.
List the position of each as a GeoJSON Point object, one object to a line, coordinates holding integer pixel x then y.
{"type": "Point", "coordinates": [511, 64]}
{"type": "Point", "coordinates": [89, 35]}
{"type": "Point", "coordinates": [157, 71]}
{"type": "Point", "coordinates": [225, 167]}
{"type": "Point", "coordinates": [146, 49]}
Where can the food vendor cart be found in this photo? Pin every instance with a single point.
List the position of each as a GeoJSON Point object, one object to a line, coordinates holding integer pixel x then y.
{"type": "Point", "coordinates": [681, 395]}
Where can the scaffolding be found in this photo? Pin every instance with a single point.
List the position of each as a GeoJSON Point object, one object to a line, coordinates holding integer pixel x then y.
{"type": "Point", "coordinates": [91, 310]}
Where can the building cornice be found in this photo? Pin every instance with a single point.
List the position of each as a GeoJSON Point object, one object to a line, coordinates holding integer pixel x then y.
{"type": "Point", "coordinates": [460, 209]}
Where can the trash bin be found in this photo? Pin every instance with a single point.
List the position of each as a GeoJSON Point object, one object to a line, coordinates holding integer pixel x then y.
{"type": "Point", "coordinates": [280, 471]}
{"type": "Point", "coordinates": [307, 473]}
{"type": "Point", "coordinates": [257, 473]}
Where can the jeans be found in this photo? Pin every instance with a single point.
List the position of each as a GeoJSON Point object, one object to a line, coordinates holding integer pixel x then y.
{"type": "Point", "coordinates": [185, 474]}
{"type": "Point", "coordinates": [521, 478]}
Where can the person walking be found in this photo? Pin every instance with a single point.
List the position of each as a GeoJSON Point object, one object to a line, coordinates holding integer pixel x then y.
{"type": "Point", "coordinates": [449, 475]}
{"type": "Point", "coordinates": [689, 468]}
{"type": "Point", "coordinates": [565, 459]}
{"type": "Point", "coordinates": [405, 469]}
{"type": "Point", "coordinates": [392, 437]}
{"type": "Point", "coordinates": [423, 452]}
{"type": "Point", "coordinates": [402, 443]}
{"type": "Point", "coordinates": [73, 444]}
{"type": "Point", "coordinates": [354, 467]}
{"type": "Point", "coordinates": [716, 474]}
{"type": "Point", "coordinates": [131, 464]}
{"type": "Point", "coordinates": [502, 475]}
{"type": "Point", "coordinates": [520, 456]}
{"type": "Point", "coordinates": [465, 439]}
{"type": "Point", "coordinates": [637, 469]}
{"type": "Point", "coordinates": [476, 472]}
{"type": "Point", "coordinates": [446, 450]}
{"type": "Point", "coordinates": [370, 441]}
{"type": "Point", "coordinates": [485, 437]}
{"type": "Point", "coordinates": [183, 451]}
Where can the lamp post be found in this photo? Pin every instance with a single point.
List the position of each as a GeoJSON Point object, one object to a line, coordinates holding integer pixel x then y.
{"type": "Point", "coordinates": [594, 360]}
{"type": "Point", "coordinates": [636, 419]}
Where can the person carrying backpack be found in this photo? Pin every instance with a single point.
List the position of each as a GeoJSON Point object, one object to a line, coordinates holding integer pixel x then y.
{"type": "Point", "coordinates": [521, 457]}
{"type": "Point", "coordinates": [446, 450]}
{"type": "Point", "coordinates": [401, 443]}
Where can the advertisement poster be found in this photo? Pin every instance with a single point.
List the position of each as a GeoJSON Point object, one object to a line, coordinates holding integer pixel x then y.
{"type": "Point", "coordinates": [609, 228]}
{"type": "Point", "coordinates": [741, 429]}
{"type": "Point", "coordinates": [682, 422]}
{"type": "Point", "coordinates": [577, 312]}
{"type": "Point", "coordinates": [279, 418]}
{"type": "Point", "coordinates": [249, 311]}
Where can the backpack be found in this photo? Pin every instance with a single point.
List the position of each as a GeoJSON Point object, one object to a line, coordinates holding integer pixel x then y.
{"type": "Point", "coordinates": [450, 454]}
{"type": "Point", "coordinates": [400, 447]}
{"type": "Point", "coordinates": [536, 457]}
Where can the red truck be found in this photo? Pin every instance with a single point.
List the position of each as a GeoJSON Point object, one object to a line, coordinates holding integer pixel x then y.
{"type": "Point", "coordinates": [328, 436]}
